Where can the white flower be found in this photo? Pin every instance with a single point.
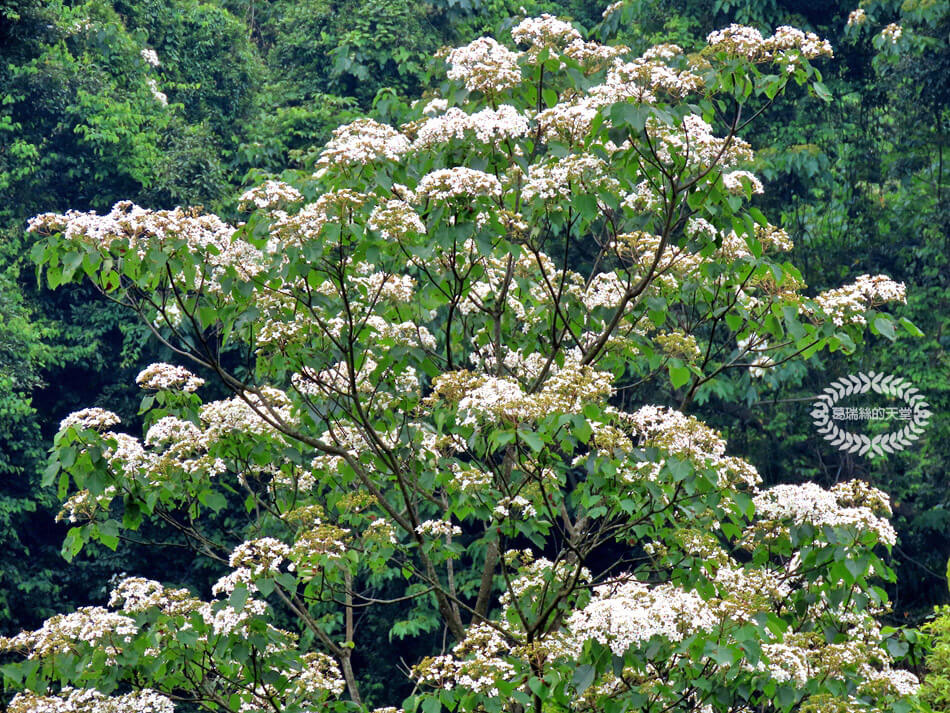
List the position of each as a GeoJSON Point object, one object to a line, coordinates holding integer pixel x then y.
{"type": "Point", "coordinates": [97, 419]}
{"type": "Point", "coordinates": [485, 66]}
{"type": "Point", "coordinates": [150, 57]}
{"type": "Point", "coordinates": [892, 33]}
{"type": "Point", "coordinates": [438, 528]}
{"type": "Point", "coordinates": [857, 17]}
{"type": "Point", "coordinates": [162, 376]}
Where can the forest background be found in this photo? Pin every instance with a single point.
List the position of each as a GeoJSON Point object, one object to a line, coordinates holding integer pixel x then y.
{"type": "Point", "coordinates": [243, 90]}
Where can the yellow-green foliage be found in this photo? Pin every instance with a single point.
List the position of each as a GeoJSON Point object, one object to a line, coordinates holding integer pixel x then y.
{"type": "Point", "coordinates": [936, 688]}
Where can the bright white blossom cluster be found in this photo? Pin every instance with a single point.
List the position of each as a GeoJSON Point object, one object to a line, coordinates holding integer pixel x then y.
{"type": "Point", "coordinates": [130, 228]}
{"type": "Point", "coordinates": [89, 700]}
{"type": "Point", "coordinates": [362, 142]}
{"type": "Point", "coordinates": [499, 399]}
{"type": "Point", "coordinates": [557, 180]}
{"type": "Point", "coordinates": [159, 96]}
{"type": "Point", "coordinates": [737, 182]}
{"type": "Point", "coordinates": [458, 183]}
{"type": "Point", "coordinates": [544, 31]}
{"type": "Point", "coordinates": [747, 42]}
{"type": "Point", "coordinates": [488, 126]}
{"type": "Point", "coordinates": [438, 528]}
{"type": "Point", "coordinates": [95, 418]}
{"type": "Point", "coordinates": [630, 613]}
{"type": "Point", "coordinates": [150, 57]}
{"type": "Point", "coordinates": [93, 626]}
{"type": "Point", "coordinates": [396, 220]}
{"type": "Point", "coordinates": [687, 438]}
{"type": "Point", "coordinates": [138, 594]}
{"type": "Point", "coordinates": [809, 503]}
{"type": "Point", "coordinates": [484, 65]}
{"type": "Point", "coordinates": [162, 376]}
{"type": "Point", "coordinates": [892, 33]}
{"type": "Point", "coordinates": [270, 195]}
{"type": "Point", "coordinates": [847, 305]}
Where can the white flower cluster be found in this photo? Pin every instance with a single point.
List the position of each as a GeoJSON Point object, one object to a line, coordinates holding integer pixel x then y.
{"type": "Point", "coordinates": [89, 700]}
{"type": "Point", "coordinates": [438, 528]}
{"type": "Point", "coordinates": [175, 436]}
{"type": "Point", "coordinates": [646, 77]}
{"type": "Point", "coordinates": [83, 506]}
{"type": "Point", "coordinates": [570, 120]}
{"type": "Point", "coordinates": [237, 415]}
{"type": "Point", "coordinates": [261, 557]}
{"type": "Point", "coordinates": [306, 224]}
{"type": "Point", "coordinates": [374, 284]}
{"type": "Point", "coordinates": [540, 577]}
{"type": "Point", "coordinates": [485, 66]}
{"type": "Point", "coordinates": [736, 182]}
{"type": "Point", "coordinates": [810, 503]}
{"type": "Point", "coordinates": [569, 175]}
{"type": "Point", "coordinates": [593, 54]}
{"type": "Point", "coordinates": [270, 195]}
{"type": "Point", "coordinates": [396, 220]}
{"type": "Point", "coordinates": [97, 419]}
{"type": "Point", "coordinates": [753, 347]}
{"type": "Point", "coordinates": [459, 182]}
{"type": "Point", "coordinates": [607, 289]}
{"type": "Point", "coordinates": [892, 33]}
{"type": "Point", "coordinates": [320, 674]}
{"type": "Point", "coordinates": [334, 383]}
{"type": "Point", "coordinates": [695, 142]}
{"type": "Point", "coordinates": [630, 613]}
{"type": "Point", "coordinates": [150, 57]}
{"type": "Point", "coordinates": [159, 96]}
{"type": "Point", "coordinates": [93, 626]}
{"type": "Point", "coordinates": [518, 503]}
{"type": "Point", "coordinates": [747, 42]}
{"type": "Point", "coordinates": [687, 438]}
{"type": "Point", "coordinates": [138, 594]}
{"type": "Point", "coordinates": [847, 304]}
{"type": "Point", "coordinates": [435, 106]}
{"type": "Point", "coordinates": [319, 542]}
{"type": "Point", "coordinates": [499, 399]}
{"type": "Point", "coordinates": [891, 681]}
{"type": "Point", "coordinates": [128, 227]}
{"type": "Point", "coordinates": [787, 663]}
{"type": "Point", "coordinates": [469, 479]}
{"type": "Point", "coordinates": [361, 142]}
{"type": "Point", "coordinates": [857, 17]}
{"type": "Point", "coordinates": [162, 376]}
{"type": "Point", "coordinates": [488, 126]}
{"type": "Point", "coordinates": [544, 31]}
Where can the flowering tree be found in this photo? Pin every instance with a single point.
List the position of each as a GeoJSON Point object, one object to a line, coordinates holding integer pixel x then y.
{"type": "Point", "coordinates": [427, 342]}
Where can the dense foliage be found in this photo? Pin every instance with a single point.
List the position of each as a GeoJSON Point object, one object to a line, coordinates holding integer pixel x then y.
{"type": "Point", "coordinates": [424, 340]}
{"type": "Point", "coordinates": [183, 103]}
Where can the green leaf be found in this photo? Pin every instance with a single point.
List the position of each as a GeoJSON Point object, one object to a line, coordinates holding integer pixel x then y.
{"type": "Point", "coordinates": [265, 585]}
{"type": "Point", "coordinates": [822, 91]}
{"type": "Point", "coordinates": [910, 327]}
{"type": "Point", "coordinates": [238, 597]}
{"type": "Point", "coordinates": [679, 376]}
{"type": "Point", "coordinates": [431, 705]}
{"type": "Point", "coordinates": [885, 327]}
{"type": "Point", "coordinates": [533, 440]}
{"type": "Point", "coordinates": [583, 677]}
